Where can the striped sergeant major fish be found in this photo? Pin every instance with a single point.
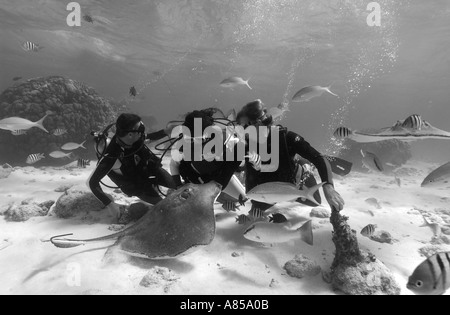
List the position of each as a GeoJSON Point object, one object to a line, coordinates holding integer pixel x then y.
{"type": "Point", "coordinates": [413, 122]}
{"type": "Point", "coordinates": [369, 230]}
{"type": "Point", "coordinates": [29, 46]}
{"type": "Point", "coordinates": [34, 158]}
{"type": "Point", "coordinates": [256, 213]}
{"type": "Point", "coordinates": [18, 132]}
{"type": "Point", "coordinates": [230, 206]}
{"type": "Point", "coordinates": [243, 219]}
{"type": "Point", "coordinates": [81, 163]}
{"type": "Point", "coordinates": [342, 133]}
{"type": "Point", "coordinates": [59, 132]}
{"type": "Point", "coordinates": [431, 277]}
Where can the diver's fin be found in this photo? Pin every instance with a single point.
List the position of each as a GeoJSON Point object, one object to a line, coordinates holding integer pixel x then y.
{"type": "Point", "coordinates": [306, 233]}
{"type": "Point", "coordinates": [339, 166]}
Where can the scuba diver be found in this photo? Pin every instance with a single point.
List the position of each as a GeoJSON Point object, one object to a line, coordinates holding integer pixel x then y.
{"type": "Point", "coordinates": [129, 163]}
{"type": "Point", "coordinates": [218, 169]}
{"type": "Point", "coordinates": [292, 145]}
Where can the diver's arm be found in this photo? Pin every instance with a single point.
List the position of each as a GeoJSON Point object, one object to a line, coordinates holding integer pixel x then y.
{"type": "Point", "coordinates": [103, 168]}
{"type": "Point", "coordinates": [158, 135]}
{"type": "Point", "coordinates": [305, 150]}
{"type": "Point", "coordinates": [175, 172]}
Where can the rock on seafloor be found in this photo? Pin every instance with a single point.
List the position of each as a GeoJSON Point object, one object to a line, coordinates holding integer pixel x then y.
{"type": "Point", "coordinates": [75, 201]}
{"type": "Point", "coordinates": [159, 277]}
{"type": "Point", "coordinates": [5, 171]}
{"type": "Point", "coordinates": [319, 212]}
{"type": "Point", "coordinates": [24, 212]}
{"type": "Point", "coordinates": [301, 266]}
{"type": "Point", "coordinates": [369, 277]}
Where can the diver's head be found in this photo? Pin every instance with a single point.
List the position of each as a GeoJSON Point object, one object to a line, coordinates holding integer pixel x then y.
{"type": "Point", "coordinates": [197, 122]}
{"type": "Point", "coordinates": [254, 114]}
{"type": "Point", "coordinates": [130, 128]}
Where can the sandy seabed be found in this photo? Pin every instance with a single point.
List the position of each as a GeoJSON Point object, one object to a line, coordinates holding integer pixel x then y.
{"type": "Point", "coordinates": [231, 264]}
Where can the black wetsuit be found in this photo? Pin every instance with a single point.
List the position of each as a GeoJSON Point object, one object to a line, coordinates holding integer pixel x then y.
{"type": "Point", "coordinates": [203, 172]}
{"type": "Point", "coordinates": [140, 168]}
{"type": "Point", "coordinates": [290, 145]}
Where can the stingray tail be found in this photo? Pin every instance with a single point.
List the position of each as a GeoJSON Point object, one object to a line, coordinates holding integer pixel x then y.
{"type": "Point", "coordinates": [306, 233]}
{"type": "Point", "coordinates": [61, 242]}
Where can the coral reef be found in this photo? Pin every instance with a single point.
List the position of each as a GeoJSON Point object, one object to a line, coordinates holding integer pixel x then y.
{"type": "Point", "coordinates": [73, 106]}
{"type": "Point", "coordinates": [5, 171]}
{"type": "Point", "coordinates": [26, 210]}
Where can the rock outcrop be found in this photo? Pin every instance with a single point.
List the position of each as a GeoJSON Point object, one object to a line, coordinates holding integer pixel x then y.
{"type": "Point", "coordinates": [72, 106]}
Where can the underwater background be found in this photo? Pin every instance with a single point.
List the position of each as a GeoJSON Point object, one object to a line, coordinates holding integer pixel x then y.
{"type": "Point", "coordinates": [176, 52]}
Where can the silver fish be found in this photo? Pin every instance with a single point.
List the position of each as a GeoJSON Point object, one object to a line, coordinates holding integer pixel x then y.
{"type": "Point", "coordinates": [34, 158]}
{"type": "Point", "coordinates": [17, 123]}
{"type": "Point", "coordinates": [275, 192]}
{"type": "Point", "coordinates": [308, 93]}
{"type": "Point", "coordinates": [369, 230]}
{"type": "Point", "coordinates": [29, 46]}
{"type": "Point", "coordinates": [73, 146]}
{"type": "Point", "coordinates": [60, 155]}
{"type": "Point", "coordinates": [371, 161]}
{"type": "Point", "coordinates": [234, 82]}
{"type": "Point", "coordinates": [438, 178]}
{"type": "Point", "coordinates": [432, 277]}
{"type": "Point", "coordinates": [342, 133]}
{"type": "Point", "coordinates": [265, 232]}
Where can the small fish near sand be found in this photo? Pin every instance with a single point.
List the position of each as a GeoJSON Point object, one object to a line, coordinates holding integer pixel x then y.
{"type": "Point", "coordinates": [73, 146]}
{"type": "Point", "coordinates": [431, 277]}
{"type": "Point", "coordinates": [230, 206]}
{"type": "Point", "coordinates": [256, 213]}
{"type": "Point", "coordinates": [275, 192]}
{"type": "Point", "coordinates": [434, 227]}
{"type": "Point", "coordinates": [30, 46]}
{"type": "Point", "coordinates": [373, 202]}
{"type": "Point", "coordinates": [60, 155]}
{"type": "Point", "coordinates": [235, 82]}
{"type": "Point", "coordinates": [243, 219]}
{"type": "Point", "coordinates": [17, 123]}
{"type": "Point", "coordinates": [133, 91]}
{"type": "Point", "coordinates": [88, 18]}
{"type": "Point", "coordinates": [371, 161]}
{"type": "Point", "coordinates": [82, 163]}
{"type": "Point", "coordinates": [34, 158]}
{"type": "Point", "coordinates": [413, 122]}
{"type": "Point", "coordinates": [439, 178]}
{"type": "Point", "coordinates": [269, 233]}
{"type": "Point", "coordinates": [342, 133]}
{"type": "Point", "coordinates": [308, 93]}
{"type": "Point", "coordinates": [369, 230]}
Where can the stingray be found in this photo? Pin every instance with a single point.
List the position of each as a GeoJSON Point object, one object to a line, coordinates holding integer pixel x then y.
{"type": "Point", "coordinates": [160, 76]}
{"type": "Point", "coordinates": [403, 131]}
{"type": "Point", "coordinates": [179, 224]}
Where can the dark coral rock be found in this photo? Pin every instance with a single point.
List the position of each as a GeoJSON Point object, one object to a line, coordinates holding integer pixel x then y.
{"type": "Point", "coordinates": [75, 107]}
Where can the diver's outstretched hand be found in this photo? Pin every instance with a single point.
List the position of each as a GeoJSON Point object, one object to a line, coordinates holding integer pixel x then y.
{"type": "Point", "coordinates": [333, 197]}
